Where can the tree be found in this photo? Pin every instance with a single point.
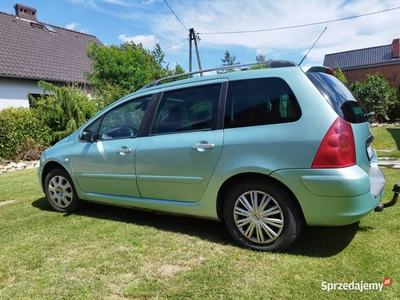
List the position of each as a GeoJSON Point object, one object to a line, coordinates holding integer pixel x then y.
{"type": "Point", "coordinates": [340, 75]}
{"type": "Point", "coordinates": [260, 59]}
{"type": "Point", "coordinates": [128, 66]}
{"type": "Point", "coordinates": [376, 95]}
{"type": "Point", "coordinates": [178, 70]}
{"type": "Point", "coordinates": [119, 70]}
{"type": "Point", "coordinates": [158, 55]}
{"type": "Point", "coordinates": [229, 60]}
{"type": "Point", "coordinates": [158, 69]}
{"type": "Point", "coordinates": [64, 109]}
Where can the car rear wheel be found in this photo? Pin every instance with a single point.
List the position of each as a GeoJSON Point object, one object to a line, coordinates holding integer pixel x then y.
{"type": "Point", "coordinates": [261, 216]}
{"type": "Point", "coordinates": [60, 191]}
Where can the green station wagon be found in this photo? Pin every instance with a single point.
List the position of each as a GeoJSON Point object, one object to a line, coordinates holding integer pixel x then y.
{"type": "Point", "coordinates": [265, 151]}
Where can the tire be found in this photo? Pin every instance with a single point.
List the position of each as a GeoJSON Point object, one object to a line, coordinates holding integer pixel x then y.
{"type": "Point", "coordinates": [261, 216]}
{"type": "Point", "coordinates": [60, 191]}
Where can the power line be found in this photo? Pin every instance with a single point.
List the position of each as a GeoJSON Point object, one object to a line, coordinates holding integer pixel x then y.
{"type": "Point", "coordinates": [175, 15]}
{"type": "Point", "coordinates": [302, 25]}
{"type": "Point", "coordinates": [175, 44]}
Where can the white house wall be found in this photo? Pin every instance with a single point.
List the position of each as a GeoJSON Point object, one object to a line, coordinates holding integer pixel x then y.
{"type": "Point", "coordinates": [14, 92]}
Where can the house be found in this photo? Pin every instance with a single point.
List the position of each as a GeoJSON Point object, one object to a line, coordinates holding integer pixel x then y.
{"type": "Point", "coordinates": [31, 51]}
{"type": "Point", "coordinates": [356, 64]}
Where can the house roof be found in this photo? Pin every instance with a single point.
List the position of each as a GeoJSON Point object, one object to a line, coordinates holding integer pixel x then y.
{"type": "Point", "coordinates": [361, 57]}
{"type": "Point", "coordinates": [35, 50]}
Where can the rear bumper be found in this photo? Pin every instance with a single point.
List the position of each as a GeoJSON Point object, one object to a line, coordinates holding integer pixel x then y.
{"type": "Point", "coordinates": [333, 197]}
{"type": "Point", "coordinates": [377, 181]}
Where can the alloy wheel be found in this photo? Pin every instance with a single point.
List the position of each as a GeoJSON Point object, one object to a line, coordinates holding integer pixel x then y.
{"type": "Point", "coordinates": [60, 191]}
{"type": "Point", "coordinates": [258, 216]}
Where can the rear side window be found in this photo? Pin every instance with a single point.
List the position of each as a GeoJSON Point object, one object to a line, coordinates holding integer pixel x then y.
{"type": "Point", "coordinates": [339, 97]}
{"type": "Point", "coordinates": [260, 101]}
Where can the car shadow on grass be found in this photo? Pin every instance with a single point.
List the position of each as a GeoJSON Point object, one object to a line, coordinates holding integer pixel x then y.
{"type": "Point", "coordinates": [312, 242]}
{"type": "Point", "coordinates": [324, 241]}
{"type": "Point", "coordinates": [395, 132]}
{"type": "Point", "coordinates": [209, 230]}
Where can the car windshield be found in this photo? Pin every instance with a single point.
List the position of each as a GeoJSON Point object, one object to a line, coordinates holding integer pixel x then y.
{"type": "Point", "coordinates": [339, 97]}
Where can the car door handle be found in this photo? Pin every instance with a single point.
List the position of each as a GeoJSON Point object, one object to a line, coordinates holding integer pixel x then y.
{"type": "Point", "coordinates": [200, 146]}
{"type": "Point", "coordinates": [124, 150]}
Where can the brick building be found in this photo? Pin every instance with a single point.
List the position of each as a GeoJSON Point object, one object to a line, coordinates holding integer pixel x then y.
{"type": "Point", "coordinates": [356, 64]}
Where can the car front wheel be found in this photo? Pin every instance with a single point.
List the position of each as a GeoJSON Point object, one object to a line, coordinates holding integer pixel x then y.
{"type": "Point", "coordinates": [261, 216]}
{"type": "Point", "coordinates": [60, 191]}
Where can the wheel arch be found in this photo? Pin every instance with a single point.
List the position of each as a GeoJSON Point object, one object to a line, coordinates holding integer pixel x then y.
{"type": "Point", "coordinates": [222, 193]}
{"type": "Point", "coordinates": [59, 188]}
{"type": "Point", "coordinates": [51, 166]}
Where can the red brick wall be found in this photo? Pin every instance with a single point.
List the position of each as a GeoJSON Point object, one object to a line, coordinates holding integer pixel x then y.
{"type": "Point", "coordinates": [390, 72]}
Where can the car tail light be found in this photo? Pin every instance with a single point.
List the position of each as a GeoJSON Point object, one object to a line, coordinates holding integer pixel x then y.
{"type": "Point", "coordinates": [338, 148]}
{"type": "Point", "coordinates": [330, 71]}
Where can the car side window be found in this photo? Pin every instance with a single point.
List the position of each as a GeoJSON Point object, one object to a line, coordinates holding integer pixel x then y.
{"type": "Point", "coordinates": [187, 109]}
{"type": "Point", "coordinates": [121, 122]}
{"type": "Point", "coordinates": [260, 101]}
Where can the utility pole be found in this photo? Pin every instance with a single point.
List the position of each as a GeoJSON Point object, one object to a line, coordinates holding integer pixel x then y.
{"type": "Point", "coordinates": [193, 37]}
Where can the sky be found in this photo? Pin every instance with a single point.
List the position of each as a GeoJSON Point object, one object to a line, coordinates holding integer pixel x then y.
{"type": "Point", "coordinates": [277, 29]}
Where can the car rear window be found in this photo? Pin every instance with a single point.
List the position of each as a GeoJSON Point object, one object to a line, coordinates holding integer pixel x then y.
{"type": "Point", "coordinates": [339, 97]}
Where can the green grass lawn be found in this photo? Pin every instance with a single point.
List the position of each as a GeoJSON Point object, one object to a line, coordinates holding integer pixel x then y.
{"type": "Point", "coordinates": [107, 252]}
{"type": "Point", "coordinates": [387, 138]}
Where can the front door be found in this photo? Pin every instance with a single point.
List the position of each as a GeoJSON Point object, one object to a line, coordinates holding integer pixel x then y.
{"type": "Point", "coordinates": [106, 166]}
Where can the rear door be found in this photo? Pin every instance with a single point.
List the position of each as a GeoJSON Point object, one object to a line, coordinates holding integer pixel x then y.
{"type": "Point", "coordinates": [178, 159]}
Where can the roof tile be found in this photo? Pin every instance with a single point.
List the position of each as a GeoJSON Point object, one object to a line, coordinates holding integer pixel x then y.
{"type": "Point", "coordinates": [360, 57]}
{"type": "Point", "coordinates": [32, 52]}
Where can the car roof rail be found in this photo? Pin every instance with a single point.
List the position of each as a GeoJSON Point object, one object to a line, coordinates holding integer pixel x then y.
{"type": "Point", "coordinates": [239, 67]}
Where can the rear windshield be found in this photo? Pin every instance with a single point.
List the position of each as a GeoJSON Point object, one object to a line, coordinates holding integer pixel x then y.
{"type": "Point", "coordinates": [339, 97]}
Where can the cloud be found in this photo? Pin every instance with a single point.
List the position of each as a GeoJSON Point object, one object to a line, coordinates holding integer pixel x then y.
{"type": "Point", "coordinates": [263, 17]}
{"type": "Point", "coordinates": [72, 26]}
{"type": "Point", "coordinates": [76, 1]}
{"type": "Point", "coordinates": [118, 2]}
{"type": "Point", "coordinates": [150, 2]}
{"type": "Point", "coordinates": [91, 3]}
{"type": "Point", "coordinates": [148, 41]}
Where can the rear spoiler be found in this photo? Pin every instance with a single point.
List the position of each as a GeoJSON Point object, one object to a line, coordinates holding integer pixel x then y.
{"type": "Point", "coordinates": [321, 69]}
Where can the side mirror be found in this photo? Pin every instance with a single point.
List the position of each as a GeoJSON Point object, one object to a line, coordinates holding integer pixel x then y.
{"type": "Point", "coordinates": [87, 136]}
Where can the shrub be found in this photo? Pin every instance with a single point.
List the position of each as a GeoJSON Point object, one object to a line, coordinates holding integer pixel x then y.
{"type": "Point", "coordinates": [64, 109]}
{"type": "Point", "coordinates": [394, 113]}
{"type": "Point", "coordinates": [377, 95]}
{"type": "Point", "coordinates": [21, 132]}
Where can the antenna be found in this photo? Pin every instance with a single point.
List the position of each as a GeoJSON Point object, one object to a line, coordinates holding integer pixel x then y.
{"type": "Point", "coordinates": [312, 46]}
